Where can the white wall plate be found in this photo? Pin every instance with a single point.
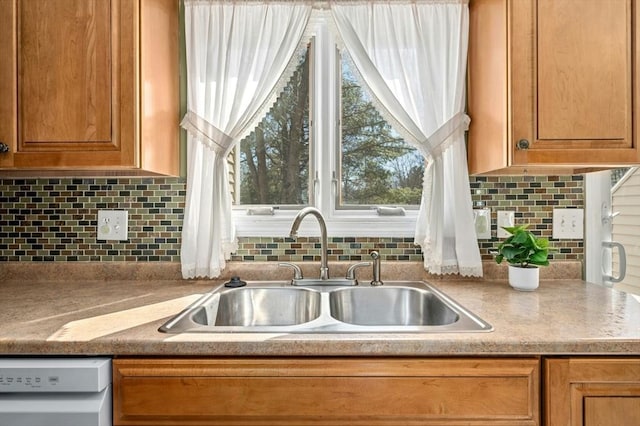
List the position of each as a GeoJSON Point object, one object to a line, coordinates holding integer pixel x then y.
{"type": "Point", "coordinates": [568, 223]}
{"type": "Point", "coordinates": [113, 225]}
{"type": "Point", "coordinates": [505, 218]}
{"type": "Point", "coordinates": [482, 220]}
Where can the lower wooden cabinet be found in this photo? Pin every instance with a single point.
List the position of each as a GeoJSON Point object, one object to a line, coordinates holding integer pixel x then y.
{"type": "Point", "coordinates": [327, 391]}
{"type": "Point", "coordinates": [592, 392]}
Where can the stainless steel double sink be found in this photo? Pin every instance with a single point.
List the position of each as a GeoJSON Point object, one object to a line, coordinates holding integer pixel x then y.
{"type": "Point", "coordinates": [279, 307]}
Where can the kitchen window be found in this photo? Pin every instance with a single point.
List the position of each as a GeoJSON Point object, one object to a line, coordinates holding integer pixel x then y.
{"type": "Point", "coordinates": [412, 56]}
{"type": "Point", "coordinates": [324, 143]}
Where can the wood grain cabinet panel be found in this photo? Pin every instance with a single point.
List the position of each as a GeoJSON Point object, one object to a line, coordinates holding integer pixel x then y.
{"type": "Point", "coordinates": [328, 391]}
{"type": "Point", "coordinates": [65, 74]}
{"type": "Point", "coordinates": [592, 391]}
{"type": "Point", "coordinates": [553, 85]}
{"type": "Point", "coordinates": [85, 80]}
{"type": "Point", "coordinates": [8, 79]}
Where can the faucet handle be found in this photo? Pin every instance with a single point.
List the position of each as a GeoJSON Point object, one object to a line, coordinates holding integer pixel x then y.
{"type": "Point", "coordinates": [297, 272]}
{"type": "Point", "coordinates": [351, 272]}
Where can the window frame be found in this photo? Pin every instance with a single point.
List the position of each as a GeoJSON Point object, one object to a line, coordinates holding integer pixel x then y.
{"type": "Point", "coordinates": [323, 160]}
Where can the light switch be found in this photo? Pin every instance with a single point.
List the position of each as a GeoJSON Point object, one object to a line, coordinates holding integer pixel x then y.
{"type": "Point", "coordinates": [482, 221]}
{"type": "Point", "coordinates": [505, 218]}
{"type": "Point", "coordinates": [113, 225]}
{"type": "Point", "coordinates": [568, 223]}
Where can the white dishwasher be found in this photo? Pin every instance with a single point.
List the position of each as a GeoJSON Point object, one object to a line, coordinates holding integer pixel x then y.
{"type": "Point", "coordinates": [55, 391]}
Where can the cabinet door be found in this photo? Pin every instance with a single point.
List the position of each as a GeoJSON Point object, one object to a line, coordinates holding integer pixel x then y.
{"type": "Point", "coordinates": [592, 392]}
{"type": "Point", "coordinates": [75, 62]}
{"type": "Point", "coordinates": [327, 391]}
{"type": "Point", "coordinates": [572, 76]}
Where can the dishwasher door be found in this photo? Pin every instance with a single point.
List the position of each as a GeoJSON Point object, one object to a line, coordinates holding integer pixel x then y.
{"type": "Point", "coordinates": [55, 392]}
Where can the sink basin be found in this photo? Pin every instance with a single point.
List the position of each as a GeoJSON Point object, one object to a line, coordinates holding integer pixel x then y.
{"type": "Point", "coordinates": [390, 306]}
{"type": "Point", "coordinates": [250, 307]}
{"type": "Point", "coordinates": [279, 307]}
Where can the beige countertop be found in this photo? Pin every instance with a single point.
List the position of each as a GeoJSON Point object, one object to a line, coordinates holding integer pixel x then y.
{"type": "Point", "coordinates": [82, 310]}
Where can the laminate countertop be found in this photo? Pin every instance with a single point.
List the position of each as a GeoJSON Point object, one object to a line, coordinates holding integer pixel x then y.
{"type": "Point", "coordinates": [119, 314]}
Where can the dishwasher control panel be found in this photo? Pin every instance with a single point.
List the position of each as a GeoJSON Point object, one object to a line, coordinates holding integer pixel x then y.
{"type": "Point", "coordinates": [54, 374]}
{"type": "Point", "coordinates": [16, 383]}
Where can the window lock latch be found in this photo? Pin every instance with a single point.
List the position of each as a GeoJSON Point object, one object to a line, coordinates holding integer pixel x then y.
{"type": "Point", "coordinates": [390, 211]}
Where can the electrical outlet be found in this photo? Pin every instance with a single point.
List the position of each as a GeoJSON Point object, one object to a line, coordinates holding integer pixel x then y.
{"type": "Point", "coordinates": [568, 223]}
{"type": "Point", "coordinates": [505, 218]}
{"type": "Point", "coordinates": [113, 225]}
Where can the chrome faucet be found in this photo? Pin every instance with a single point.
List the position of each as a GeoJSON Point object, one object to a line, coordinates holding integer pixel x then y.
{"type": "Point", "coordinates": [324, 266]}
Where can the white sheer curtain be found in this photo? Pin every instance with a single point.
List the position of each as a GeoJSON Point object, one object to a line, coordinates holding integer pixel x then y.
{"type": "Point", "coordinates": [412, 57]}
{"type": "Point", "coordinates": [238, 55]}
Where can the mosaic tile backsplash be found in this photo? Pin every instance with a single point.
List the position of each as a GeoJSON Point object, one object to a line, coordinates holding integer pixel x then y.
{"type": "Point", "coordinates": [55, 219]}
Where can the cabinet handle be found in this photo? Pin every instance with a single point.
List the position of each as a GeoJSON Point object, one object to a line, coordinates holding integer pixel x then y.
{"type": "Point", "coordinates": [4, 147]}
{"type": "Point", "coordinates": [522, 144]}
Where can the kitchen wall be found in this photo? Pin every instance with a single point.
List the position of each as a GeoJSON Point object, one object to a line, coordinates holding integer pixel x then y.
{"type": "Point", "coordinates": [54, 219]}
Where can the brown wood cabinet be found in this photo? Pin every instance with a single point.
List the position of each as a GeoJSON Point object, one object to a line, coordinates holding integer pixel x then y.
{"type": "Point", "coordinates": [592, 391]}
{"type": "Point", "coordinates": [89, 84]}
{"type": "Point", "coordinates": [327, 391]}
{"type": "Point", "coordinates": [553, 85]}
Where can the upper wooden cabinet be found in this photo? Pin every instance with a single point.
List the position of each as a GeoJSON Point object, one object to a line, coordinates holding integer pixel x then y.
{"type": "Point", "coordinates": [89, 84]}
{"type": "Point", "coordinates": [553, 85]}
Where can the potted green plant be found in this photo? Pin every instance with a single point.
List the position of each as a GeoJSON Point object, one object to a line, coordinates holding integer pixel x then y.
{"type": "Point", "coordinates": [525, 253]}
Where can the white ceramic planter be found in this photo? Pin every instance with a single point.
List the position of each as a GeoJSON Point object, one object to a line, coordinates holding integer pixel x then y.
{"type": "Point", "coordinates": [524, 279]}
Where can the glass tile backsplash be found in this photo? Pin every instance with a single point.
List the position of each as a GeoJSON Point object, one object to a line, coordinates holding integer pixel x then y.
{"type": "Point", "coordinates": [55, 219]}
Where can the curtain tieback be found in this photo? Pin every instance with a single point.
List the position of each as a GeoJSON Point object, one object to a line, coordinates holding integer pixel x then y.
{"type": "Point", "coordinates": [440, 140]}
{"type": "Point", "coordinates": [206, 132]}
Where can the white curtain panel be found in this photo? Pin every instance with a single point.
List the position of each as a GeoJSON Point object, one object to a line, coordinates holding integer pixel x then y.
{"type": "Point", "coordinates": [238, 56]}
{"type": "Point", "coordinates": [412, 57]}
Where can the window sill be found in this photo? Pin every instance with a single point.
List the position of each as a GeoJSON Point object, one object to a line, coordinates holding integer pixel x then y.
{"type": "Point", "coordinates": [339, 224]}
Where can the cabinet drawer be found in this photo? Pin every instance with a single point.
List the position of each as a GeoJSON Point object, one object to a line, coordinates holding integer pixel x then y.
{"type": "Point", "coordinates": [326, 391]}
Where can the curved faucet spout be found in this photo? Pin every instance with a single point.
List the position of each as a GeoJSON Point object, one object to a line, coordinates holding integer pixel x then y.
{"type": "Point", "coordinates": [324, 264]}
